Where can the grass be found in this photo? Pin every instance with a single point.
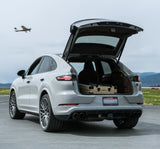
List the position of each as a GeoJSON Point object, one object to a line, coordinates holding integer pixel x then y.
{"type": "Point", "coordinates": [4, 91]}
{"type": "Point", "coordinates": [151, 96]}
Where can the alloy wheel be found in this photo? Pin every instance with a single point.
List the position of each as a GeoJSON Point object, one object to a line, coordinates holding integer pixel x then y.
{"type": "Point", "coordinates": [44, 112]}
{"type": "Point", "coordinates": [12, 104]}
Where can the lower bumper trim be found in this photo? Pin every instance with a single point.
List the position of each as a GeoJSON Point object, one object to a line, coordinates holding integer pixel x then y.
{"type": "Point", "coordinates": [100, 114]}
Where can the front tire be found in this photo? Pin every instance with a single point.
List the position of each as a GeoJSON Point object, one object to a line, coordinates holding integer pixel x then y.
{"type": "Point", "coordinates": [48, 121]}
{"type": "Point", "coordinates": [13, 110]}
{"type": "Point", "coordinates": [126, 123]}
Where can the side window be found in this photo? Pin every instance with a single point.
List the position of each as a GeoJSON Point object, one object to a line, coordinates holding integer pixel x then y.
{"type": "Point", "coordinates": [48, 64]}
{"type": "Point", "coordinates": [106, 67]}
{"type": "Point", "coordinates": [78, 66]}
{"type": "Point", "coordinates": [34, 67]}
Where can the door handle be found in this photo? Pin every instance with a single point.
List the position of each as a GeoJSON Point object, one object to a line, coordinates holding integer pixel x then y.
{"type": "Point", "coordinates": [42, 80]}
{"type": "Point", "coordinates": [28, 82]}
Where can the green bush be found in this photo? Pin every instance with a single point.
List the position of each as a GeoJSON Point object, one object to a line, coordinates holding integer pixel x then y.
{"type": "Point", "coordinates": [151, 96]}
{"type": "Point", "coordinates": [4, 91]}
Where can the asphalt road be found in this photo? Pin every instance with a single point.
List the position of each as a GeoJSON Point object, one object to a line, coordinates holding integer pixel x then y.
{"type": "Point", "coordinates": [27, 133]}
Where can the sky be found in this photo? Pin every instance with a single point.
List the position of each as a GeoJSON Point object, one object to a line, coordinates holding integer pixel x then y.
{"type": "Point", "coordinates": [50, 21]}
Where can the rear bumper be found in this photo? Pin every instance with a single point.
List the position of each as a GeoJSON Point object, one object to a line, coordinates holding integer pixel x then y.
{"type": "Point", "coordinates": [91, 107]}
{"type": "Point", "coordinates": [100, 114]}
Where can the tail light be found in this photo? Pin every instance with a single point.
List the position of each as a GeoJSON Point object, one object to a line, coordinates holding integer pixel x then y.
{"type": "Point", "coordinates": [65, 78]}
{"type": "Point", "coordinates": [136, 79]}
{"type": "Point", "coordinates": [139, 79]}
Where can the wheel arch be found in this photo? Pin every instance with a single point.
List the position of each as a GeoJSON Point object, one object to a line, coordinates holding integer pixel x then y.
{"type": "Point", "coordinates": [43, 93]}
{"type": "Point", "coordinates": [46, 91]}
{"type": "Point", "coordinates": [12, 89]}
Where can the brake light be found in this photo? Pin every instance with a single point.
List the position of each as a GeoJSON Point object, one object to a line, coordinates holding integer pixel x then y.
{"type": "Point", "coordinates": [136, 79]}
{"type": "Point", "coordinates": [139, 79]}
{"type": "Point", "coordinates": [65, 78]}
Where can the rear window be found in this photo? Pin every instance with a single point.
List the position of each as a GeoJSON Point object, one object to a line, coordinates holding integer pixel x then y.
{"type": "Point", "coordinates": [99, 39]}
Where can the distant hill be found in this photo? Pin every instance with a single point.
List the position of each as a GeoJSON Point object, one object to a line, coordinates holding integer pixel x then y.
{"type": "Point", "coordinates": [150, 79]}
{"type": "Point", "coordinates": [5, 85]}
{"type": "Point", "coordinates": [144, 74]}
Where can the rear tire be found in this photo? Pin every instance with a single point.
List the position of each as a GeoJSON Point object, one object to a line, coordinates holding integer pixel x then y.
{"type": "Point", "coordinates": [126, 123]}
{"type": "Point", "coordinates": [13, 110]}
{"type": "Point", "coordinates": [47, 120]}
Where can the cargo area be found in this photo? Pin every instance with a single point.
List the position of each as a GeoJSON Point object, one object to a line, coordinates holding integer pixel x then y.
{"type": "Point", "coordinates": [97, 89]}
{"type": "Point", "coordinates": [99, 76]}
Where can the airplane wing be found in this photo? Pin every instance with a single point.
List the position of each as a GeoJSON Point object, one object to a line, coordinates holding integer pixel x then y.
{"type": "Point", "coordinates": [24, 28]}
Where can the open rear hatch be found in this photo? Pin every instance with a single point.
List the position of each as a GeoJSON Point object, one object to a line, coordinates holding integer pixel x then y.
{"type": "Point", "coordinates": [93, 44]}
{"type": "Point", "coordinates": [98, 37]}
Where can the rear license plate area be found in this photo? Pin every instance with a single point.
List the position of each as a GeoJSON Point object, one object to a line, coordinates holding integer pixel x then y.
{"type": "Point", "coordinates": [110, 100]}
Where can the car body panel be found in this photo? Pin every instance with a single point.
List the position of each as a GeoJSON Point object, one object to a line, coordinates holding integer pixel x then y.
{"type": "Point", "coordinates": [22, 92]}
{"type": "Point", "coordinates": [102, 22]}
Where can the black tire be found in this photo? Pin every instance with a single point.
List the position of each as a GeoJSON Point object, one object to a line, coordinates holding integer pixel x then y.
{"type": "Point", "coordinates": [47, 120]}
{"type": "Point", "coordinates": [126, 123]}
{"type": "Point", "coordinates": [13, 110]}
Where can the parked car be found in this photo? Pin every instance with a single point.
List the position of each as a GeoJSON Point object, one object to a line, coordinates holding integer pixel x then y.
{"type": "Point", "coordinates": [87, 83]}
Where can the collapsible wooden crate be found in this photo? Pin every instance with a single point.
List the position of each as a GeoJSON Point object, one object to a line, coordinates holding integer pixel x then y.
{"type": "Point", "coordinates": [97, 89]}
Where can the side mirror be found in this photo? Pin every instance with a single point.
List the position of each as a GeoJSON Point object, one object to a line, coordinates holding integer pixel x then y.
{"type": "Point", "coordinates": [21, 73]}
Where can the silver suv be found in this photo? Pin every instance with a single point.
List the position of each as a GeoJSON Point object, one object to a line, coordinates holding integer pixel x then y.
{"type": "Point", "coordinates": [87, 83]}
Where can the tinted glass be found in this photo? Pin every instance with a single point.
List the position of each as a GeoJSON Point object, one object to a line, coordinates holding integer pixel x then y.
{"type": "Point", "coordinates": [79, 66]}
{"type": "Point", "coordinates": [106, 67]}
{"type": "Point", "coordinates": [48, 64]}
{"type": "Point", "coordinates": [106, 40]}
{"type": "Point", "coordinates": [34, 67]}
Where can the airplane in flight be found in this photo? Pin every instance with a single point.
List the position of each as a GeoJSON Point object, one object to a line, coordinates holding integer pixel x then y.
{"type": "Point", "coordinates": [24, 29]}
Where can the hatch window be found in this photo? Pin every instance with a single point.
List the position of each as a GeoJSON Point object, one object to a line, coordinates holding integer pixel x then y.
{"type": "Point", "coordinates": [105, 40]}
